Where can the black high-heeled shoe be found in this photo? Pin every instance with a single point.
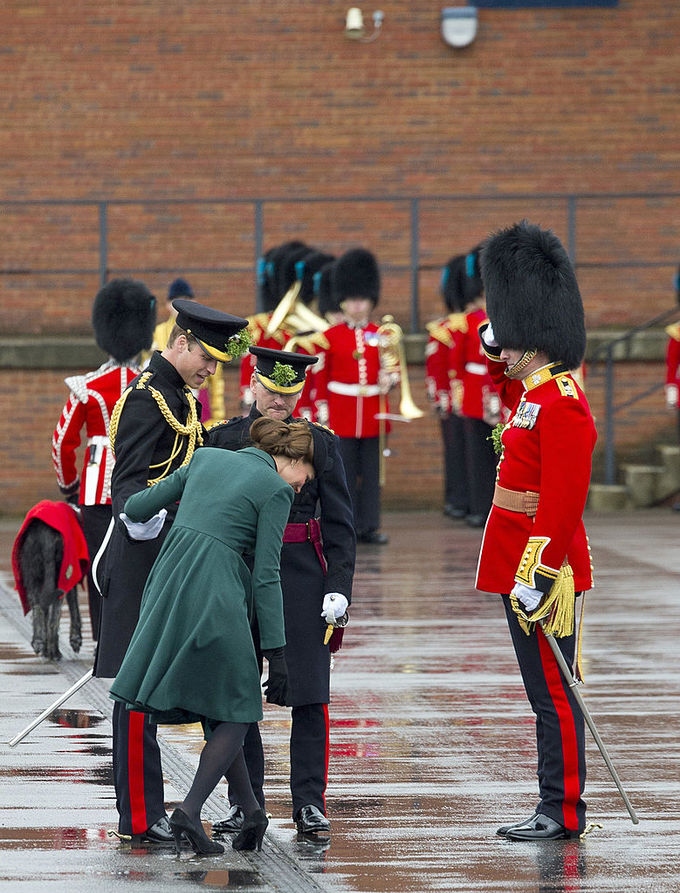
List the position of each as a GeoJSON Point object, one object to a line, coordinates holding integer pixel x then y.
{"type": "Point", "coordinates": [181, 824]}
{"type": "Point", "coordinates": [250, 836]}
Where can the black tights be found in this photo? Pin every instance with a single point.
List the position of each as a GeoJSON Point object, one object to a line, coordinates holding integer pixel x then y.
{"type": "Point", "coordinates": [222, 755]}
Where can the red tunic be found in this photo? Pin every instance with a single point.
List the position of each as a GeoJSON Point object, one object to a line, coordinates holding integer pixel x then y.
{"type": "Point", "coordinates": [547, 449]}
{"type": "Point", "coordinates": [469, 361]}
{"type": "Point", "coordinates": [441, 376]}
{"type": "Point", "coordinates": [348, 380]}
{"type": "Point", "coordinates": [673, 358]}
{"type": "Point", "coordinates": [89, 406]}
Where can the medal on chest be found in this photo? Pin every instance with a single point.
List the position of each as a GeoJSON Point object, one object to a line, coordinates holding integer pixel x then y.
{"type": "Point", "coordinates": [525, 415]}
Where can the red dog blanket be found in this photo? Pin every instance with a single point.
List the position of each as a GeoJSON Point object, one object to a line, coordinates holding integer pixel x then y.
{"type": "Point", "coordinates": [64, 518]}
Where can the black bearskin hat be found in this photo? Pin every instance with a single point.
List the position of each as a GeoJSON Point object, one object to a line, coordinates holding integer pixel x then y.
{"type": "Point", "coordinates": [461, 282]}
{"type": "Point", "coordinates": [532, 297]}
{"type": "Point", "coordinates": [356, 275]}
{"type": "Point", "coordinates": [180, 288]}
{"type": "Point", "coordinates": [266, 298]}
{"type": "Point", "coordinates": [285, 267]}
{"type": "Point", "coordinates": [323, 292]}
{"type": "Point", "coordinates": [273, 259]}
{"type": "Point", "coordinates": [305, 271]}
{"type": "Point", "coordinates": [124, 318]}
{"type": "Point", "coordinates": [451, 284]}
{"type": "Point", "coordinates": [472, 276]}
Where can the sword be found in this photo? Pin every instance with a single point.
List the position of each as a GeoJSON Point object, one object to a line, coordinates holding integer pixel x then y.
{"type": "Point", "coordinates": [60, 700]}
{"type": "Point", "coordinates": [566, 672]}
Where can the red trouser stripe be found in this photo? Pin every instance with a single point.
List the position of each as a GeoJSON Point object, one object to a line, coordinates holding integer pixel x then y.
{"type": "Point", "coordinates": [325, 777]}
{"type": "Point", "coordinates": [554, 680]}
{"type": "Point", "coordinates": [136, 771]}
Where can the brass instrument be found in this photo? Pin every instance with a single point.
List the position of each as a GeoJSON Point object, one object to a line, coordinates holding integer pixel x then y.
{"type": "Point", "coordinates": [295, 313]}
{"type": "Point", "coordinates": [393, 360]}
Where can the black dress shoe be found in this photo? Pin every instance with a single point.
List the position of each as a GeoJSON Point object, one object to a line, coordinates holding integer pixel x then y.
{"type": "Point", "coordinates": [310, 820]}
{"type": "Point", "coordinates": [475, 520]}
{"type": "Point", "coordinates": [539, 827]}
{"type": "Point", "coordinates": [373, 538]}
{"type": "Point", "coordinates": [233, 822]}
{"type": "Point", "coordinates": [159, 833]}
{"type": "Point", "coordinates": [452, 512]}
{"type": "Point", "coordinates": [503, 830]}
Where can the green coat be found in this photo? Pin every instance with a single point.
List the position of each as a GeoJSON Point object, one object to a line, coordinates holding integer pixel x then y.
{"type": "Point", "coordinates": [192, 656]}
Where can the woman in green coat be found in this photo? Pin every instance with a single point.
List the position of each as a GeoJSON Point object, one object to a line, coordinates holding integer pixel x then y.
{"type": "Point", "coordinates": [191, 657]}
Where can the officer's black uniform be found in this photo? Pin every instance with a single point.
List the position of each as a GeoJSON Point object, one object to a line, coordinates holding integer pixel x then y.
{"type": "Point", "coordinates": [304, 584]}
{"type": "Point", "coordinates": [155, 428]}
{"type": "Point", "coordinates": [146, 447]}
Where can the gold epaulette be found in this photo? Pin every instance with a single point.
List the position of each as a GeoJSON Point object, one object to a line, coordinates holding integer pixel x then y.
{"type": "Point", "coordinates": [308, 343]}
{"type": "Point", "coordinates": [323, 427]}
{"type": "Point", "coordinates": [440, 333]}
{"type": "Point", "coordinates": [673, 331]}
{"type": "Point", "coordinates": [457, 322]}
{"type": "Point", "coordinates": [566, 386]}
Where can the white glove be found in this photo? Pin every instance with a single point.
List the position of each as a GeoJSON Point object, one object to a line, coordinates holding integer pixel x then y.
{"type": "Point", "coordinates": [527, 595]}
{"type": "Point", "coordinates": [671, 395]}
{"type": "Point", "coordinates": [145, 530]}
{"type": "Point", "coordinates": [489, 338]}
{"type": "Point", "coordinates": [334, 607]}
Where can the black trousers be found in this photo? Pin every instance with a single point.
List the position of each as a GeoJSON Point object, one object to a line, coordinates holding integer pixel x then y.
{"type": "Point", "coordinates": [455, 471]}
{"type": "Point", "coordinates": [560, 727]}
{"type": "Point", "coordinates": [95, 522]}
{"type": "Point", "coordinates": [308, 758]}
{"type": "Point", "coordinates": [137, 774]}
{"type": "Point", "coordinates": [361, 458]}
{"type": "Point", "coordinates": [480, 459]}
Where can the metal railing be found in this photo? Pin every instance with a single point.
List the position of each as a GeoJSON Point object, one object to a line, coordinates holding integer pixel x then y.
{"type": "Point", "coordinates": [566, 204]}
{"type": "Point", "coordinates": [606, 354]}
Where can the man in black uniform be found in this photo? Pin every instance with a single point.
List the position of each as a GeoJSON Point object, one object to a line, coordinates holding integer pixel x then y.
{"type": "Point", "coordinates": [317, 566]}
{"type": "Point", "coordinates": [155, 428]}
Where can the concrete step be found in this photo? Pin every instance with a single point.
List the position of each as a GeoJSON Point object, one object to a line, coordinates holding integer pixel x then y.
{"type": "Point", "coordinates": [669, 459]}
{"type": "Point", "coordinates": [608, 498]}
{"type": "Point", "coordinates": [650, 484]}
{"type": "Point", "coordinates": [643, 484]}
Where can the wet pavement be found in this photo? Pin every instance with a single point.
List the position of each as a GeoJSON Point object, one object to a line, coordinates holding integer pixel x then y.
{"type": "Point", "coordinates": [432, 740]}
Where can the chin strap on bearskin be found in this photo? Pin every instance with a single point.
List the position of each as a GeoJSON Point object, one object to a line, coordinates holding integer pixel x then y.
{"type": "Point", "coordinates": [522, 363]}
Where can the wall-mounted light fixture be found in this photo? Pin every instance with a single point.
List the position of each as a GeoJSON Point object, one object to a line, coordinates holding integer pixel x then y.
{"type": "Point", "coordinates": [459, 25]}
{"type": "Point", "coordinates": [354, 25]}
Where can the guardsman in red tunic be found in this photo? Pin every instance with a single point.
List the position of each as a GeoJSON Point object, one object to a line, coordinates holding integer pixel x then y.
{"type": "Point", "coordinates": [673, 368]}
{"type": "Point", "coordinates": [479, 405]}
{"type": "Point", "coordinates": [351, 389]}
{"type": "Point", "coordinates": [443, 390]}
{"type": "Point", "coordinates": [534, 539]}
{"type": "Point", "coordinates": [123, 322]}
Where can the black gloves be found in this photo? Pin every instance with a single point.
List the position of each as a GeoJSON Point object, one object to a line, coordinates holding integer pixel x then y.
{"type": "Point", "coordinates": [276, 685]}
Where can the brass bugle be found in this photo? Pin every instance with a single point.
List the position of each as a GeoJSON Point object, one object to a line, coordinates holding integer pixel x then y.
{"type": "Point", "coordinates": [393, 358]}
{"type": "Point", "coordinates": [283, 308]}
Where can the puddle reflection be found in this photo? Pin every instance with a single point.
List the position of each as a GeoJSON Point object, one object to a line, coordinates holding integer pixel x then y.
{"type": "Point", "coordinates": [228, 879]}
{"type": "Point", "coordinates": [561, 865]}
{"type": "Point", "coordinates": [50, 838]}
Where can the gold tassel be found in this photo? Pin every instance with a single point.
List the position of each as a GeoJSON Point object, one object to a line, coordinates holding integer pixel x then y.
{"type": "Point", "coordinates": [556, 609]}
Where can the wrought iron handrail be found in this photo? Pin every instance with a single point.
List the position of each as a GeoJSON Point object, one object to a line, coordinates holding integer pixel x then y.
{"type": "Point", "coordinates": [605, 354]}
